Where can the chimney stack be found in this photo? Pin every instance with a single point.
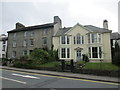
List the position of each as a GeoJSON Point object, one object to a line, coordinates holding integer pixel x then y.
{"type": "Point", "coordinates": [19, 25]}
{"type": "Point", "coordinates": [58, 20]}
{"type": "Point", "coordinates": [105, 24]}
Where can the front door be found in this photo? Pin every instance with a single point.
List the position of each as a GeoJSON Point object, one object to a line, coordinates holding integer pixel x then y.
{"type": "Point", "coordinates": [78, 55]}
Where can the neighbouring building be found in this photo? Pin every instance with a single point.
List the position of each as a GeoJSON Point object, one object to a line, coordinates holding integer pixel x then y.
{"type": "Point", "coordinates": [3, 45]}
{"type": "Point", "coordinates": [22, 40]}
{"type": "Point", "coordinates": [115, 37]}
{"type": "Point", "coordinates": [73, 42]}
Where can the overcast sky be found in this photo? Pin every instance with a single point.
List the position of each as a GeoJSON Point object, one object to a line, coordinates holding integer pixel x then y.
{"type": "Point", "coordinates": [36, 12]}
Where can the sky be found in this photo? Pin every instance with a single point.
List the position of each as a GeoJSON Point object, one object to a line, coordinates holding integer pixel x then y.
{"type": "Point", "coordinates": [36, 12]}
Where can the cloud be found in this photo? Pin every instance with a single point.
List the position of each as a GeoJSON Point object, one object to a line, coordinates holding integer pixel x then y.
{"type": "Point", "coordinates": [34, 12]}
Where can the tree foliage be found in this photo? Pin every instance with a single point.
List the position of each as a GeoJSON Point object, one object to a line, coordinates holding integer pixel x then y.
{"type": "Point", "coordinates": [116, 54]}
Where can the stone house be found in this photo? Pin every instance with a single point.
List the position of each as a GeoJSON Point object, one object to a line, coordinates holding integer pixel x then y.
{"type": "Point", "coordinates": [22, 40]}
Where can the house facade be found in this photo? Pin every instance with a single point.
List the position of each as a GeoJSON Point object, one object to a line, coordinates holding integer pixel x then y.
{"type": "Point", "coordinates": [71, 42]}
{"type": "Point", "coordinates": [23, 40]}
{"type": "Point", "coordinates": [75, 41]}
{"type": "Point", "coordinates": [3, 45]}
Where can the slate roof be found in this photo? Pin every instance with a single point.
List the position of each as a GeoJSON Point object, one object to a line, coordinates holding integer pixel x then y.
{"type": "Point", "coordinates": [62, 31]}
{"type": "Point", "coordinates": [33, 27]}
{"type": "Point", "coordinates": [88, 27]}
{"type": "Point", "coordinates": [115, 35]}
{"type": "Point", "coordinates": [97, 29]}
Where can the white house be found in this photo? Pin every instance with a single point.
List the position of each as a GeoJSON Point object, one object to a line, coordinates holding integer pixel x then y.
{"type": "Point", "coordinates": [75, 41]}
{"type": "Point", "coordinates": [3, 45]}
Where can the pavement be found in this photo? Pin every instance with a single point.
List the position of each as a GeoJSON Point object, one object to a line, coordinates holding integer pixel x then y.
{"type": "Point", "coordinates": [67, 74]}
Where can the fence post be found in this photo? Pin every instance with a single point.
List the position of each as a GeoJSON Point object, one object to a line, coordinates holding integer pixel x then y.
{"type": "Point", "coordinates": [63, 65]}
{"type": "Point", "coordinates": [72, 65]}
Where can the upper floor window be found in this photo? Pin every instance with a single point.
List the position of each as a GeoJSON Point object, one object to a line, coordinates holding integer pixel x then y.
{"type": "Point", "coordinates": [25, 33]}
{"type": "Point", "coordinates": [24, 43]}
{"type": "Point", "coordinates": [31, 33]}
{"type": "Point", "coordinates": [65, 40]}
{"type": "Point", "coordinates": [44, 32]}
{"type": "Point", "coordinates": [44, 40]}
{"type": "Point", "coordinates": [3, 49]}
{"type": "Point", "coordinates": [94, 38]}
{"type": "Point", "coordinates": [4, 41]}
{"type": "Point", "coordinates": [31, 42]}
{"type": "Point", "coordinates": [78, 39]}
{"type": "Point", "coordinates": [14, 35]}
{"type": "Point", "coordinates": [14, 44]}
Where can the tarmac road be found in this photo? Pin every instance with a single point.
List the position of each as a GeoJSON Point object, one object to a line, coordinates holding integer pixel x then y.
{"type": "Point", "coordinates": [18, 79]}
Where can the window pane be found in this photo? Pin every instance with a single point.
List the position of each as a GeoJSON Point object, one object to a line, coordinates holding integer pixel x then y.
{"type": "Point", "coordinates": [99, 37]}
{"type": "Point", "coordinates": [63, 39]}
{"type": "Point", "coordinates": [68, 53]}
{"type": "Point", "coordinates": [74, 40]}
{"type": "Point", "coordinates": [44, 40]}
{"type": "Point", "coordinates": [94, 52]}
{"type": "Point", "coordinates": [68, 41]}
{"type": "Point", "coordinates": [82, 39]}
{"type": "Point", "coordinates": [78, 39]}
{"type": "Point", "coordinates": [88, 38]}
{"type": "Point", "coordinates": [31, 42]}
{"type": "Point", "coordinates": [63, 55]}
{"type": "Point", "coordinates": [89, 52]}
{"type": "Point", "coordinates": [100, 52]}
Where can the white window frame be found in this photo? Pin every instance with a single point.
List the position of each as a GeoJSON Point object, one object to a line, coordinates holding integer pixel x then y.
{"type": "Point", "coordinates": [99, 39]}
{"type": "Point", "coordinates": [81, 40]}
{"type": "Point", "coordinates": [66, 54]}
{"type": "Point", "coordinates": [91, 53]}
{"type": "Point", "coordinates": [66, 40]}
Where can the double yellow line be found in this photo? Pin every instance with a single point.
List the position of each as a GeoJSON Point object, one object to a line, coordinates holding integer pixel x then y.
{"type": "Point", "coordinates": [64, 77]}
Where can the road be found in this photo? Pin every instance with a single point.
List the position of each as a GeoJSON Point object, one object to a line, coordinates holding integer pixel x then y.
{"type": "Point", "coordinates": [17, 79]}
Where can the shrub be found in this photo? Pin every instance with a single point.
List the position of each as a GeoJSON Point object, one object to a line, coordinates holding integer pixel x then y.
{"type": "Point", "coordinates": [39, 56]}
{"type": "Point", "coordinates": [85, 58]}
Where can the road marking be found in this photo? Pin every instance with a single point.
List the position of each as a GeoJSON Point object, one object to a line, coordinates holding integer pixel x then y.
{"type": "Point", "coordinates": [14, 80]}
{"type": "Point", "coordinates": [26, 76]}
{"type": "Point", "coordinates": [65, 77]}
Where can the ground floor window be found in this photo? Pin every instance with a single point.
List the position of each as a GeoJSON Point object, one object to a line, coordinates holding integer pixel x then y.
{"type": "Point", "coordinates": [95, 52]}
{"type": "Point", "coordinates": [25, 52]}
{"type": "Point", "coordinates": [14, 54]}
{"type": "Point", "coordinates": [65, 52]}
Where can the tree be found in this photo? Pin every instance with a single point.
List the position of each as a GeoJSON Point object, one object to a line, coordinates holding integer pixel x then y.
{"type": "Point", "coordinates": [116, 52]}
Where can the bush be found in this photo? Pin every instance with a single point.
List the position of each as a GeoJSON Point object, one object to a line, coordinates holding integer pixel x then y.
{"type": "Point", "coordinates": [116, 58]}
{"type": "Point", "coordinates": [39, 56]}
{"type": "Point", "coordinates": [85, 58]}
